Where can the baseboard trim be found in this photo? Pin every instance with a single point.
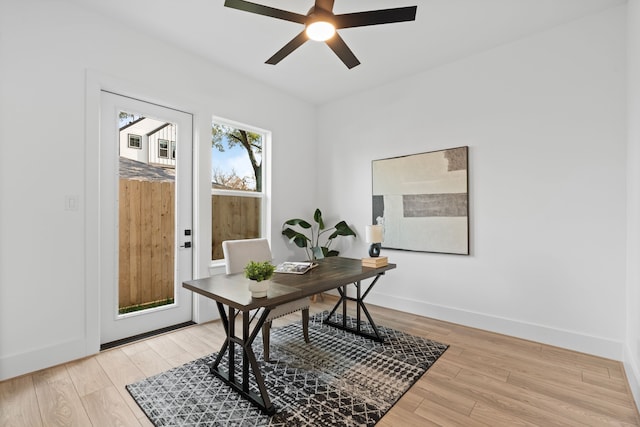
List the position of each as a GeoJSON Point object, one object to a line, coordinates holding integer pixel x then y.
{"type": "Point", "coordinates": [34, 360]}
{"type": "Point", "coordinates": [571, 340]}
{"type": "Point", "coordinates": [633, 374]}
{"type": "Point", "coordinates": [46, 357]}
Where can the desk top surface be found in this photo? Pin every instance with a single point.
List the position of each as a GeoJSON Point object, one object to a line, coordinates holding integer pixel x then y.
{"type": "Point", "coordinates": [331, 273]}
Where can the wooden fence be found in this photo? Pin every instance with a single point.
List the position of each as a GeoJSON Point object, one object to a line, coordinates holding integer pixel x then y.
{"type": "Point", "coordinates": [146, 250]}
{"type": "Point", "coordinates": [233, 217]}
{"type": "Point", "coordinates": [147, 227]}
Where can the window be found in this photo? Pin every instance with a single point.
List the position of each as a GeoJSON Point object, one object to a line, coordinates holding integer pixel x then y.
{"type": "Point", "coordinates": [163, 148]}
{"type": "Point", "coordinates": [238, 187]}
{"type": "Point", "coordinates": [135, 141]}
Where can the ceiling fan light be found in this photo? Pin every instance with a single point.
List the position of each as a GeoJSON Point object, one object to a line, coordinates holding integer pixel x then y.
{"type": "Point", "coordinates": [320, 31]}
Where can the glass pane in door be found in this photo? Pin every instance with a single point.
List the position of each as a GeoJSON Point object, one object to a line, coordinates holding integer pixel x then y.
{"type": "Point", "coordinates": [146, 213]}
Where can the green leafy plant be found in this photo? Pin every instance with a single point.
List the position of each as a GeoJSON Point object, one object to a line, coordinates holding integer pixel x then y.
{"type": "Point", "coordinates": [259, 271]}
{"type": "Point", "coordinates": [311, 242]}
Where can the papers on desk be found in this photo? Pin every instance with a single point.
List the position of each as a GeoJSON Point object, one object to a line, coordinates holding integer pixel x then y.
{"type": "Point", "coordinates": [295, 267]}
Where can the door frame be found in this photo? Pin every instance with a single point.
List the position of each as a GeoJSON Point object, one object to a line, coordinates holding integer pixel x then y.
{"type": "Point", "coordinates": [95, 83]}
{"type": "Point", "coordinates": [116, 327]}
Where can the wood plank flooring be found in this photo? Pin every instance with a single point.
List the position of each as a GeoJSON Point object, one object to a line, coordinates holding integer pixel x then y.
{"type": "Point", "coordinates": [483, 379]}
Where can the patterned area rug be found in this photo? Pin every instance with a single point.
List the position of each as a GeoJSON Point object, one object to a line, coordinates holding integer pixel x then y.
{"type": "Point", "coordinates": [339, 379]}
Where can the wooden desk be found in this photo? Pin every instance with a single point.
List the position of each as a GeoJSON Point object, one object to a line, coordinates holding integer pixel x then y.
{"type": "Point", "coordinates": [232, 291]}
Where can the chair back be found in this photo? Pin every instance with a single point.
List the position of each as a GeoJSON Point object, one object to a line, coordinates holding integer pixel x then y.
{"type": "Point", "coordinates": [237, 253]}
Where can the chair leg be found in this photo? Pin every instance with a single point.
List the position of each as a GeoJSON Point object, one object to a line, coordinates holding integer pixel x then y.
{"type": "Point", "coordinates": [266, 331]}
{"type": "Point", "coordinates": [305, 324]}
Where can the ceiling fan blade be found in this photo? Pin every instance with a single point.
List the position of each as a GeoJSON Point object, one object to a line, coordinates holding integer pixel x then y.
{"type": "Point", "coordinates": [342, 50]}
{"type": "Point", "coordinates": [266, 11]}
{"type": "Point", "coordinates": [326, 5]}
{"type": "Point", "coordinates": [288, 48]}
{"type": "Point", "coordinates": [375, 17]}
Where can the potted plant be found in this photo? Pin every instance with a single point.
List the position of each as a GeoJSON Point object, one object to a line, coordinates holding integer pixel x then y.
{"type": "Point", "coordinates": [311, 242]}
{"type": "Point", "coordinates": [259, 274]}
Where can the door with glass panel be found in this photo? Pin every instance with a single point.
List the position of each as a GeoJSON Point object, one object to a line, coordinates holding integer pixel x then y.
{"type": "Point", "coordinates": [146, 217]}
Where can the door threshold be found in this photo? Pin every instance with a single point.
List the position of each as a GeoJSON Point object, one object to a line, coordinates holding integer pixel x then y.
{"type": "Point", "coordinates": [129, 340]}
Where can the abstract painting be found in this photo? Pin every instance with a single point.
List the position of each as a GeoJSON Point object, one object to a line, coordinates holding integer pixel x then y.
{"type": "Point", "coordinates": [422, 200]}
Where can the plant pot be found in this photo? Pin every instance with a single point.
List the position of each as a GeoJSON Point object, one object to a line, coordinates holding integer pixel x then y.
{"type": "Point", "coordinates": [259, 289]}
{"type": "Point", "coordinates": [317, 252]}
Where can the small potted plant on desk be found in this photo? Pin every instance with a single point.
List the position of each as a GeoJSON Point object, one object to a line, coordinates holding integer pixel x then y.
{"type": "Point", "coordinates": [259, 274]}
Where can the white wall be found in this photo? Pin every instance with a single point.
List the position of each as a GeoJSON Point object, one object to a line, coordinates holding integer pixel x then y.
{"type": "Point", "coordinates": [54, 58]}
{"type": "Point", "coordinates": [544, 119]}
{"type": "Point", "coordinates": [632, 349]}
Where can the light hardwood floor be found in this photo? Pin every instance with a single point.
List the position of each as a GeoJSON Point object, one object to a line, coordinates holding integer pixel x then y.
{"type": "Point", "coordinates": [482, 379]}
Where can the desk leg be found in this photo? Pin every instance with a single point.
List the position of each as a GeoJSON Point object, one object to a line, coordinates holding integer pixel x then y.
{"type": "Point", "coordinates": [225, 345]}
{"type": "Point", "coordinates": [360, 302]}
{"type": "Point", "coordinates": [232, 345]}
{"type": "Point", "coordinates": [343, 296]}
{"type": "Point", "coordinates": [360, 307]}
{"type": "Point", "coordinates": [249, 362]}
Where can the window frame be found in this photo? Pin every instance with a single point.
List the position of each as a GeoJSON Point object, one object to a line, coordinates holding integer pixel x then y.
{"type": "Point", "coordinates": [265, 194]}
{"type": "Point", "coordinates": [129, 145]}
{"type": "Point", "coordinates": [166, 148]}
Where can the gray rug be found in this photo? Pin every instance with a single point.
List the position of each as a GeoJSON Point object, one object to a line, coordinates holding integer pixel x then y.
{"type": "Point", "coordinates": [339, 379]}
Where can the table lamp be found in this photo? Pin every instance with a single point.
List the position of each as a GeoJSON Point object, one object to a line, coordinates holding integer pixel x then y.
{"type": "Point", "coordinates": [373, 234]}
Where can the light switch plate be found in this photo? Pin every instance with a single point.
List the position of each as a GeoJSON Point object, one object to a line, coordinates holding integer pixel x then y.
{"type": "Point", "coordinates": [71, 203]}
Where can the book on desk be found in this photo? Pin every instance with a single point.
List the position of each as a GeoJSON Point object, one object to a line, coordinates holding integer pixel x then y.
{"type": "Point", "coordinates": [295, 267]}
{"type": "Point", "coordinates": [375, 262]}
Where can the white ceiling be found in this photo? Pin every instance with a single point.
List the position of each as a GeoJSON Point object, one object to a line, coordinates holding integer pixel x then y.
{"type": "Point", "coordinates": [444, 31]}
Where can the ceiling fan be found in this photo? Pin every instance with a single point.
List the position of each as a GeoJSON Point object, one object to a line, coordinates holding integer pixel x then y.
{"type": "Point", "coordinates": [321, 17]}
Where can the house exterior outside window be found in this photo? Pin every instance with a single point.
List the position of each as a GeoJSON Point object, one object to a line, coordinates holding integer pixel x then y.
{"type": "Point", "coordinates": [149, 141]}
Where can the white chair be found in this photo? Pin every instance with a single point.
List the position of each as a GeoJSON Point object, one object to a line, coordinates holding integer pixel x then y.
{"type": "Point", "coordinates": [237, 253]}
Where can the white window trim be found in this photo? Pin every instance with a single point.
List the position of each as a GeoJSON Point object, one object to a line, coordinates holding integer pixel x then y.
{"type": "Point", "coordinates": [240, 193]}
{"type": "Point", "coordinates": [265, 195]}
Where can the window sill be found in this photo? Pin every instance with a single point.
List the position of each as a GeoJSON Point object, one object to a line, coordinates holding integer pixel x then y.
{"type": "Point", "coordinates": [217, 267]}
